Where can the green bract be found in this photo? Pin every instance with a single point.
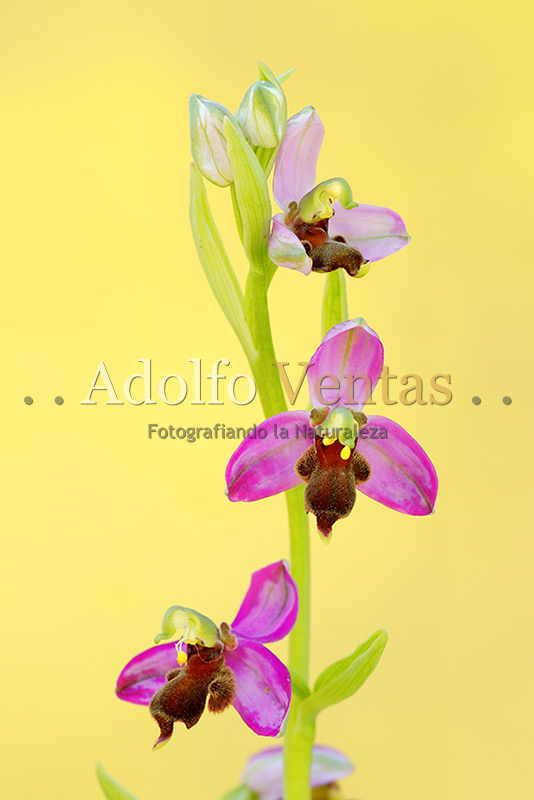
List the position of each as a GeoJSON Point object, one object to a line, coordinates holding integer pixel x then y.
{"type": "Point", "coordinates": [216, 264]}
{"type": "Point", "coordinates": [110, 787]}
{"type": "Point", "coordinates": [343, 678]}
{"type": "Point", "coordinates": [252, 195]}
{"type": "Point", "coordinates": [240, 793]}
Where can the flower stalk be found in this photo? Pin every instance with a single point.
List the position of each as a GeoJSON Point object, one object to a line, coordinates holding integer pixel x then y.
{"type": "Point", "coordinates": [320, 229]}
{"type": "Point", "coordinates": [298, 742]}
{"type": "Point", "coordinates": [253, 223]}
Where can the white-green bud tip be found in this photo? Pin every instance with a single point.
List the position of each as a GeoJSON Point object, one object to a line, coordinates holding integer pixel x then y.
{"type": "Point", "coordinates": [261, 114]}
{"type": "Point", "coordinates": [208, 143]}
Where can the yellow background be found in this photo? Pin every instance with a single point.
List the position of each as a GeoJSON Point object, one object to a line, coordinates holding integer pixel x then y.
{"type": "Point", "coordinates": [426, 111]}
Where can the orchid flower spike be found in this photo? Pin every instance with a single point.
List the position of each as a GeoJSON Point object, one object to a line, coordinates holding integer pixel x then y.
{"type": "Point", "coordinates": [219, 665]}
{"type": "Point", "coordinates": [321, 228]}
{"type": "Point", "coordinates": [263, 773]}
{"type": "Point", "coordinates": [390, 467]}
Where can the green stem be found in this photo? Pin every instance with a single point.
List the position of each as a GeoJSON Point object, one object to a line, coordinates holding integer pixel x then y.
{"type": "Point", "coordinates": [299, 655]}
{"type": "Point", "coordinates": [298, 746]}
{"type": "Point", "coordinates": [334, 300]}
{"type": "Point", "coordinates": [265, 374]}
{"type": "Point", "coordinates": [298, 742]}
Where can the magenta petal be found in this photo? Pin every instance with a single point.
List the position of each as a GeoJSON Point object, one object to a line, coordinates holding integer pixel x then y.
{"type": "Point", "coordinates": [263, 772]}
{"type": "Point", "coordinates": [351, 348]}
{"type": "Point", "coordinates": [402, 475]}
{"type": "Point", "coordinates": [264, 465]}
{"type": "Point", "coordinates": [145, 674]}
{"type": "Point", "coordinates": [270, 607]}
{"type": "Point", "coordinates": [263, 687]}
{"type": "Point", "coordinates": [286, 249]}
{"type": "Point", "coordinates": [375, 231]}
{"type": "Point", "coordinates": [294, 170]}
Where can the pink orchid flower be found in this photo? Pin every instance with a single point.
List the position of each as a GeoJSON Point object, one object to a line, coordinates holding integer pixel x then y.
{"type": "Point", "coordinates": [390, 467]}
{"type": "Point", "coordinates": [225, 665]}
{"type": "Point", "coordinates": [263, 773]}
{"type": "Point", "coordinates": [321, 229]}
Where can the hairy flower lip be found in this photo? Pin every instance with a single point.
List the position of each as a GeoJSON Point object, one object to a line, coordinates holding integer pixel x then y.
{"type": "Point", "coordinates": [373, 231]}
{"type": "Point", "coordinates": [263, 685]}
{"type": "Point", "coordinates": [402, 477]}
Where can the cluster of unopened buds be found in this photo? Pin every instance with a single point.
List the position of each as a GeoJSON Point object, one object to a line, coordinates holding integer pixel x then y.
{"type": "Point", "coordinates": [197, 664]}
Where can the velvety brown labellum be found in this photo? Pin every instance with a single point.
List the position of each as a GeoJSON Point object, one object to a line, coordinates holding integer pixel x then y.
{"type": "Point", "coordinates": [331, 490]}
{"type": "Point", "coordinates": [336, 255]}
{"type": "Point", "coordinates": [183, 697]}
{"type": "Point", "coordinates": [327, 254]}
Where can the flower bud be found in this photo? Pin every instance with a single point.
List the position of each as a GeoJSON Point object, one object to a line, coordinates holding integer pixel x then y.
{"type": "Point", "coordinates": [261, 114]}
{"type": "Point", "coordinates": [208, 143]}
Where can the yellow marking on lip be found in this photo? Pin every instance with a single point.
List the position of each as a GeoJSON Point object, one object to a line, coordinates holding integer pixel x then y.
{"type": "Point", "coordinates": [345, 453]}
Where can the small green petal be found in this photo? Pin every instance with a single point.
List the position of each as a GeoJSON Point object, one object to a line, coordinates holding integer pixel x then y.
{"type": "Point", "coordinates": [340, 425]}
{"type": "Point", "coordinates": [364, 269]}
{"type": "Point", "coordinates": [197, 629]}
{"type": "Point", "coordinates": [318, 203]}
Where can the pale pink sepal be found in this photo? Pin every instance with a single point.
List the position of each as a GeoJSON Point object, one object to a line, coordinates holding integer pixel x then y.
{"type": "Point", "coordinates": [375, 231]}
{"type": "Point", "coordinates": [294, 170]}
{"type": "Point", "coordinates": [261, 467]}
{"type": "Point", "coordinates": [286, 249]}
{"type": "Point", "coordinates": [270, 607]}
{"type": "Point", "coordinates": [145, 674]}
{"type": "Point", "coordinates": [402, 475]}
{"type": "Point", "coordinates": [263, 772]}
{"type": "Point", "coordinates": [263, 687]}
{"type": "Point", "coordinates": [350, 348]}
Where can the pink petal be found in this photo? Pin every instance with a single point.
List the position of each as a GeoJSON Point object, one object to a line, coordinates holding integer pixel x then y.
{"type": "Point", "coordinates": [263, 772]}
{"type": "Point", "coordinates": [145, 674]}
{"type": "Point", "coordinates": [263, 684]}
{"type": "Point", "coordinates": [351, 348]}
{"type": "Point", "coordinates": [286, 249]}
{"type": "Point", "coordinates": [402, 475]}
{"type": "Point", "coordinates": [264, 465]}
{"type": "Point", "coordinates": [294, 170]}
{"type": "Point", "coordinates": [270, 607]}
{"type": "Point", "coordinates": [375, 231]}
